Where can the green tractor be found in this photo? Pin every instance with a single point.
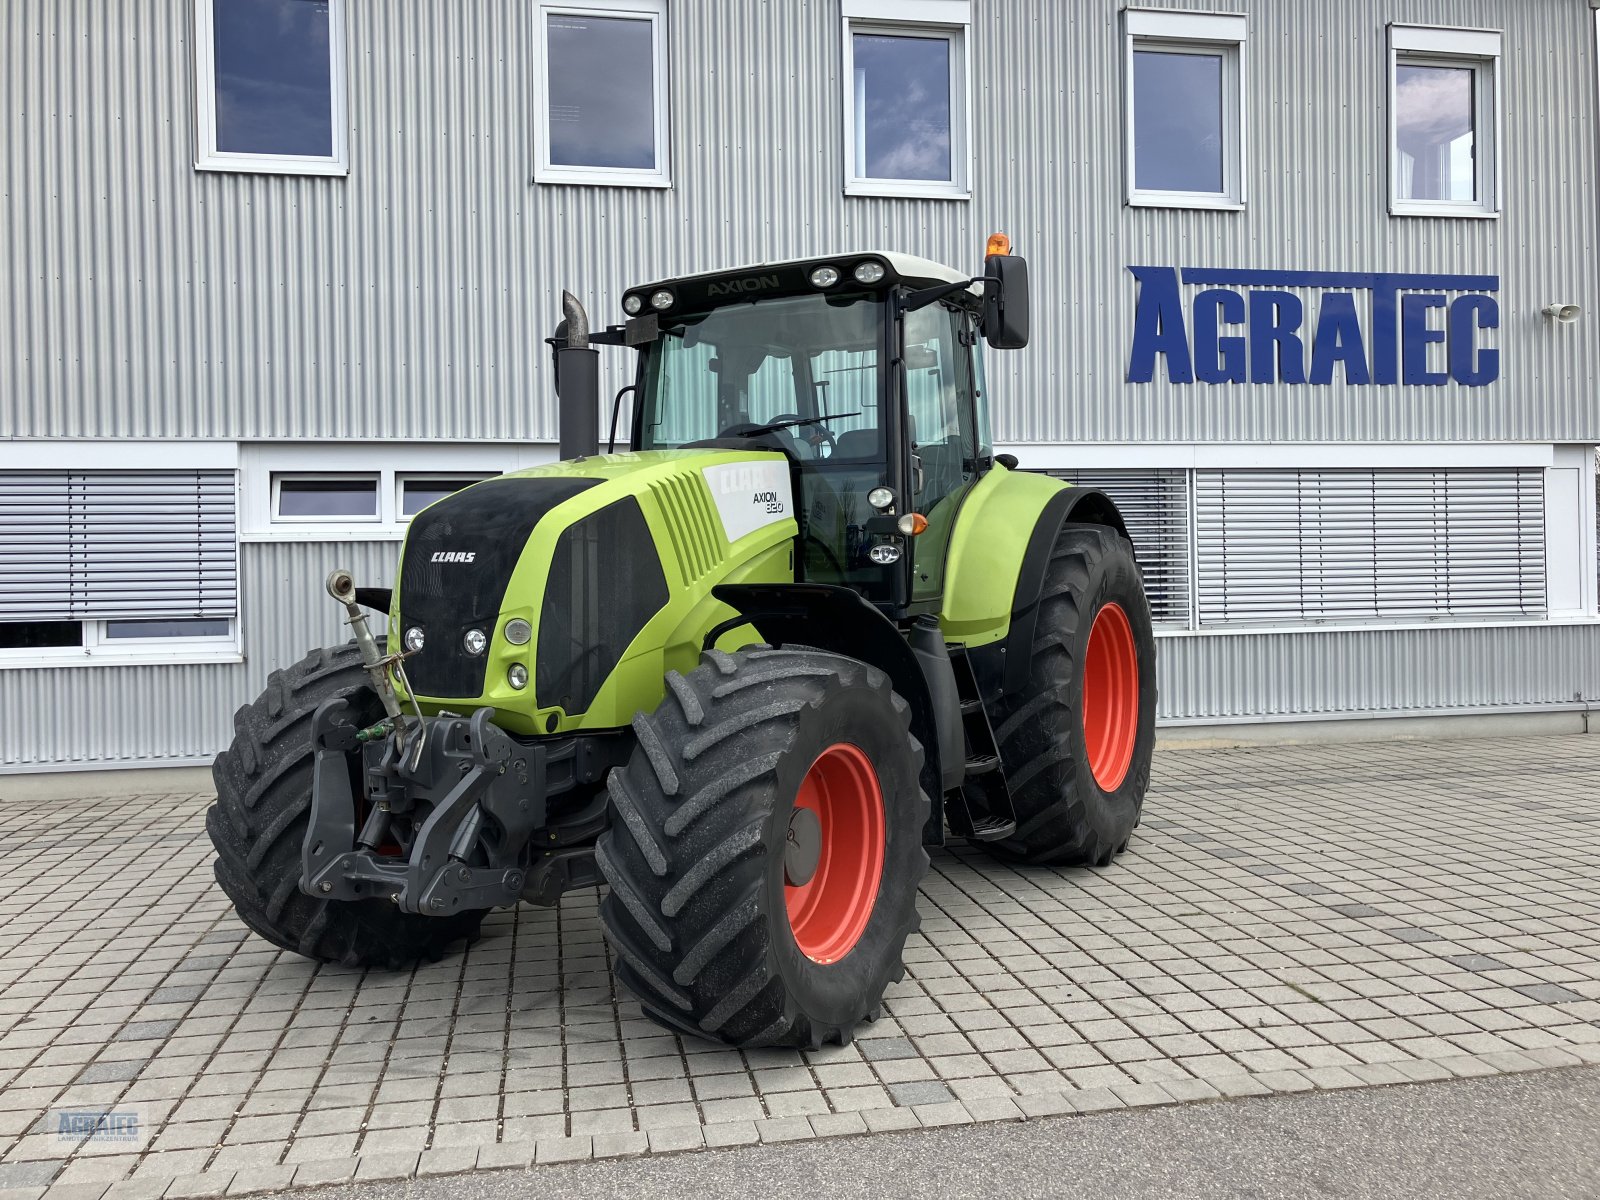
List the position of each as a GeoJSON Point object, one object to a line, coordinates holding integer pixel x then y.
{"type": "Point", "coordinates": [743, 672]}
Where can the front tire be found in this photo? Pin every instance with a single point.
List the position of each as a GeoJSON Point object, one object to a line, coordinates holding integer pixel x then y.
{"type": "Point", "coordinates": [734, 914]}
{"type": "Point", "coordinates": [259, 822]}
{"type": "Point", "coordinates": [1076, 743]}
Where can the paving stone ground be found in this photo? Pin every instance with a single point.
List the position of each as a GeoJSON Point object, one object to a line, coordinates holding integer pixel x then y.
{"type": "Point", "coordinates": [1287, 918]}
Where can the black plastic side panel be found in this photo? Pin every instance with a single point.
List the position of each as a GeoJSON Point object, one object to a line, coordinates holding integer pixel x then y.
{"type": "Point", "coordinates": [458, 561]}
{"type": "Point", "coordinates": [1087, 506]}
{"type": "Point", "coordinates": [839, 620]}
{"type": "Point", "coordinates": [605, 583]}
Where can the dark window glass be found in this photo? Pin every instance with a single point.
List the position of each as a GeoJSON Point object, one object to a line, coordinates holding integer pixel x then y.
{"type": "Point", "coordinates": [1177, 122]}
{"type": "Point", "coordinates": [417, 494]}
{"type": "Point", "coordinates": [328, 498]}
{"type": "Point", "coordinates": [1433, 126]}
{"type": "Point", "coordinates": [902, 104]}
{"type": "Point", "coordinates": [602, 92]}
{"type": "Point", "coordinates": [274, 79]}
{"type": "Point", "coordinates": [40, 635]}
{"type": "Point", "coordinates": [194, 628]}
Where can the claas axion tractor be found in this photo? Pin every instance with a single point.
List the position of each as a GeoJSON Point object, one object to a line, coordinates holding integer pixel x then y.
{"type": "Point", "coordinates": [742, 673]}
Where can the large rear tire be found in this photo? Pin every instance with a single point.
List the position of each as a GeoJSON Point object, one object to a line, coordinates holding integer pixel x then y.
{"type": "Point", "coordinates": [259, 821]}
{"type": "Point", "coordinates": [765, 849]}
{"type": "Point", "coordinates": [1076, 743]}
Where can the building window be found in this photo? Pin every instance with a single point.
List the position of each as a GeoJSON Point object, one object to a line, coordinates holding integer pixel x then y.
{"type": "Point", "coordinates": [338, 498]}
{"type": "Point", "coordinates": [602, 97]}
{"type": "Point", "coordinates": [1336, 546]}
{"type": "Point", "coordinates": [1443, 122]}
{"type": "Point", "coordinates": [107, 566]}
{"type": "Point", "coordinates": [269, 77]}
{"type": "Point", "coordinates": [1185, 115]}
{"type": "Point", "coordinates": [1155, 506]}
{"type": "Point", "coordinates": [419, 491]}
{"type": "Point", "coordinates": [905, 102]}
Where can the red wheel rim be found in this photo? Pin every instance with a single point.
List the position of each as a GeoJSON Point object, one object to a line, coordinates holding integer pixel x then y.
{"type": "Point", "coordinates": [1110, 697]}
{"type": "Point", "coordinates": [829, 912]}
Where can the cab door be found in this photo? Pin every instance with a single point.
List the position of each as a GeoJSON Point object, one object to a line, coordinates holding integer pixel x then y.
{"type": "Point", "coordinates": [942, 428]}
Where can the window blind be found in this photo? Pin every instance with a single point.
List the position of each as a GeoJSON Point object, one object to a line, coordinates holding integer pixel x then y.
{"type": "Point", "coordinates": [1155, 505]}
{"type": "Point", "coordinates": [1291, 546]}
{"type": "Point", "coordinates": [100, 545]}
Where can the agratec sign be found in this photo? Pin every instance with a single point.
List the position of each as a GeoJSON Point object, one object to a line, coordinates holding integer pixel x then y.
{"type": "Point", "coordinates": [1246, 327]}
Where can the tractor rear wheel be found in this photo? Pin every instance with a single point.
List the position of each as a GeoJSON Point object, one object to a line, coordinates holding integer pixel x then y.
{"type": "Point", "coordinates": [765, 849]}
{"type": "Point", "coordinates": [259, 821]}
{"type": "Point", "coordinates": [1076, 742]}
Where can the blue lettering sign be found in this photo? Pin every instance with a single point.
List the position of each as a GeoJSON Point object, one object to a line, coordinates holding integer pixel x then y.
{"type": "Point", "coordinates": [1270, 334]}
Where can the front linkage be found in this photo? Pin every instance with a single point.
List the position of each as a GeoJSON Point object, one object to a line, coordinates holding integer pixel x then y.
{"type": "Point", "coordinates": [455, 811]}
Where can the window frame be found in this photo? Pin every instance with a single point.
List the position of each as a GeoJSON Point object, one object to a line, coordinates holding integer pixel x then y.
{"type": "Point", "coordinates": [281, 477]}
{"type": "Point", "coordinates": [950, 20]}
{"type": "Point", "coordinates": [209, 158]}
{"type": "Point", "coordinates": [98, 650]}
{"type": "Point", "coordinates": [653, 11]}
{"type": "Point", "coordinates": [1171, 32]}
{"type": "Point", "coordinates": [401, 478]}
{"type": "Point", "coordinates": [1478, 50]}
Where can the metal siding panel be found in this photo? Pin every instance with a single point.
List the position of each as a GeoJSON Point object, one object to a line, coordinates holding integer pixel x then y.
{"type": "Point", "coordinates": [1308, 675]}
{"type": "Point", "coordinates": [155, 713]}
{"type": "Point", "coordinates": [143, 298]}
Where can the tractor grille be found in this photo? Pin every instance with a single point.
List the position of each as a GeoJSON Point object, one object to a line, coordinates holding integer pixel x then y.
{"type": "Point", "coordinates": [605, 583]}
{"type": "Point", "coordinates": [446, 593]}
{"type": "Point", "coordinates": [691, 523]}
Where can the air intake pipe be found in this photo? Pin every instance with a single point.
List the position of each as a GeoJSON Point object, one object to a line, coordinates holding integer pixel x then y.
{"type": "Point", "coordinates": [577, 381]}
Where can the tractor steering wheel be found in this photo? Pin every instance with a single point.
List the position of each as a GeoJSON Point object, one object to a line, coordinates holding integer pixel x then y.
{"type": "Point", "coordinates": [815, 435]}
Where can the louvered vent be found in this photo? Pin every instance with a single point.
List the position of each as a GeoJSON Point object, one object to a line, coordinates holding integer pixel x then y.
{"type": "Point", "coordinates": [1291, 546]}
{"type": "Point", "coordinates": [1155, 505]}
{"type": "Point", "coordinates": [101, 545]}
{"type": "Point", "coordinates": [692, 524]}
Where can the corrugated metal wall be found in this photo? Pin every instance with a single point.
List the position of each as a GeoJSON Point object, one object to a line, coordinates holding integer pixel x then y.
{"type": "Point", "coordinates": [156, 713]}
{"type": "Point", "coordinates": [141, 298]}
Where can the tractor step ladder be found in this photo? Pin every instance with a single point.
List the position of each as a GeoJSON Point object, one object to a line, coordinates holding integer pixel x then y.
{"type": "Point", "coordinates": [982, 809]}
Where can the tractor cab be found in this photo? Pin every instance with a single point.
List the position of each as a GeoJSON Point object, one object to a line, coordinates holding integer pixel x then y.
{"type": "Point", "coordinates": [863, 370]}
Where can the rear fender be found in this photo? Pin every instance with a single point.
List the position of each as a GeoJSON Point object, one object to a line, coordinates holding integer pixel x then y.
{"type": "Point", "coordinates": [999, 552]}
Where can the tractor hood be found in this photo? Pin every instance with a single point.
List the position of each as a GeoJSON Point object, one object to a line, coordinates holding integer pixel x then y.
{"type": "Point", "coordinates": [586, 553]}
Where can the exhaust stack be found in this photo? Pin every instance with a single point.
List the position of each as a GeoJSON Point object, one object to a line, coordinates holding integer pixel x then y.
{"type": "Point", "coordinates": [577, 382]}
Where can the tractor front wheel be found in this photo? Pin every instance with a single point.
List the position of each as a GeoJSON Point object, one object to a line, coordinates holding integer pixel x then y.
{"type": "Point", "coordinates": [263, 808]}
{"type": "Point", "coordinates": [765, 849]}
{"type": "Point", "coordinates": [1076, 743]}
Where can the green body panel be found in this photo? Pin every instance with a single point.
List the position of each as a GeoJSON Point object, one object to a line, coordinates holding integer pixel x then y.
{"type": "Point", "coordinates": [987, 546]}
{"type": "Point", "coordinates": [695, 557]}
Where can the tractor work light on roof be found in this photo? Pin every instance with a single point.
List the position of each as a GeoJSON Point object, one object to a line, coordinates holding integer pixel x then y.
{"type": "Point", "coordinates": [868, 272]}
{"type": "Point", "coordinates": [824, 277]}
{"type": "Point", "coordinates": [661, 301]}
{"type": "Point", "coordinates": [632, 304]}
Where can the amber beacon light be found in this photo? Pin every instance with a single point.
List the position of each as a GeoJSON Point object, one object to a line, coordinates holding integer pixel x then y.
{"type": "Point", "coordinates": [999, 244]}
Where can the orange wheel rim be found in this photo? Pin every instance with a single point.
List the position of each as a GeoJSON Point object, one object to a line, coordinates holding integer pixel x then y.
{"type": "Point", "coordinates": [830, 908]}
{"type": "Point", "coordinates": [1111, 697]}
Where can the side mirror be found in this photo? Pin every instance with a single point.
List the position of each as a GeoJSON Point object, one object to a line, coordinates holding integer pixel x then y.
{"type": "Point", "coordinates": [1005, 302]}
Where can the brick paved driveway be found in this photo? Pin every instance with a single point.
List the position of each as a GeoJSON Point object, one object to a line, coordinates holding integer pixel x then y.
{"type": "Point", "coordinates": [1286, 919]}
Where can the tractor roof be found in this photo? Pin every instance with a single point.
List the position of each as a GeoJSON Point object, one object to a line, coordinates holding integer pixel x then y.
{"type": "Point", "coordinates": [731, 284]}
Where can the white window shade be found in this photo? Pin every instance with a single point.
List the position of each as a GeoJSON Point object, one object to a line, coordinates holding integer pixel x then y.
{"type": "Point", "coordinates": [1155, 506]}
{"type": "Point", "coordinates": [1289, 547]}
{"type": "Point", "coordinates": [102, 545]}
